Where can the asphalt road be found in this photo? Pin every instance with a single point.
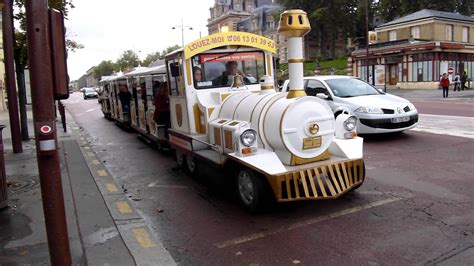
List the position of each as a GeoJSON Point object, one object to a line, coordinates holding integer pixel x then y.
{"type": "Point", "coordinates": [414, 208]}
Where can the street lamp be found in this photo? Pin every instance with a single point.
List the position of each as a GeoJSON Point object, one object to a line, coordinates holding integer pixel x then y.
{"type": "Point", "coordinates": [182, 27]}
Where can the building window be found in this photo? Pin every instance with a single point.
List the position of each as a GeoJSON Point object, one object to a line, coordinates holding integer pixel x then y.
{"type": "Point", "coordinates": [465, 34]}
{"type": "Point", "coordinates": [392, 35]}
{"type": "Point", "coordinates": [449, 32]}
{"type": "Point", "coordinates": [415, 32]}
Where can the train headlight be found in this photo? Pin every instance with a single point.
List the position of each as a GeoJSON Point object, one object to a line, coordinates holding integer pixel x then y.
{"type": "Point", "coordinates": [248, 137]}
{"type": "Point", "coordinates": [350, 123]}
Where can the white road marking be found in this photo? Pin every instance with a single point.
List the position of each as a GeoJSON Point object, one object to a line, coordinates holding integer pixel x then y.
{"type": "Point", "coordinates": [459, 126]}
{"type": "Point", "coordinates": [155, 184]}
{"type": "Point", "coordinates": [340, 213]}
{"type": "Point", "coordinates": [90, 110]}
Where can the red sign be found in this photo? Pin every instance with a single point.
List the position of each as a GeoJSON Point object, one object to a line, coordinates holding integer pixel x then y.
{"type": "Point", "coordinates": [229, 57]}
{"type": "Point", "coordinates": [450, 71]}
{"type": "Point", "coordinates": [45, 129]}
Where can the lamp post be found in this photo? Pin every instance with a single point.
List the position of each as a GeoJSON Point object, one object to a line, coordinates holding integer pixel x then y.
{"type": "Point", "coordinates": [182, 27]}
{"type": "Point", "coordinates": [367, 39]}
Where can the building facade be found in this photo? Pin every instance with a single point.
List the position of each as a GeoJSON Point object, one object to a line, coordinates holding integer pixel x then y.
{"type": "Point", "coordinates": [414, 50]}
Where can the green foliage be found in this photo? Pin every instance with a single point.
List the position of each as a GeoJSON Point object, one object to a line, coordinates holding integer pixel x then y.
{"type": "Point", "coordinates": [151, 58]}
{"type": "Point", "coordinates": [128, 60]}
{"type": "Point", "coordinates": [105, 68]}
{"type": "Point", "coordinates": [170, 49]}
{"type": "Point", "coordinates": [391, 9]}
{"type": "Point", "coordinates": [20, 42]}
{"type": "Point", "coordinates": [339, 64]}
{"type": "Point", "coordinates": [329, 19]}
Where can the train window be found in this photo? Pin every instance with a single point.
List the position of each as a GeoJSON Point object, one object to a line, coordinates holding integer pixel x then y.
{"type": "Point", "coordinates": [217, 70]}
{"type": "Point", "coordinates": [172, 79]}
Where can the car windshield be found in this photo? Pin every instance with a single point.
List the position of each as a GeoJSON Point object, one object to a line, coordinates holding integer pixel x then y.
{"type": "Point", "coordinates": [89, 90]}
{"type": "Point", "coordinates": [217, 70]}
{"type": "Point", "coordinates": [350, 87]}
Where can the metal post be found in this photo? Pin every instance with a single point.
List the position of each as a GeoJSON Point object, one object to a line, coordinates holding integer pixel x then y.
{"type": "Point", "coordinates": [3, 175]}
{"type": "Point", "coordinates": [62, 112]}
{"type": "Point", "coordinates": [39, 55]}
{"type": "Point", "coordinates": [7, 23]}
{"type": "Point", "coordinates": [367, 38]}
{"type": "Point", "coordinates": [182, 33]}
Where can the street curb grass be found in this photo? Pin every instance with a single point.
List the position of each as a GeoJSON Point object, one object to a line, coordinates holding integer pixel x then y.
{"type": "Point", "coordinates": [134, 231]}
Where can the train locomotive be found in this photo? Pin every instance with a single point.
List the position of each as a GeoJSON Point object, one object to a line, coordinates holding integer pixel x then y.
{"type": "Point", "coordinates": [224, 110]}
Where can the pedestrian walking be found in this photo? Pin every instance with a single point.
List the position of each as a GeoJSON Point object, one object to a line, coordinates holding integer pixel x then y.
{"type": "Point", "coordinates": [463, 80]}
{"type": "Point", "coordinates": [457, 82]}
{"type": "Point", "coordinates": [444, 83]}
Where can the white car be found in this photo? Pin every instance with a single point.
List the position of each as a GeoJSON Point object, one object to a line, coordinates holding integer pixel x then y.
{"type": "Point", "coordinates": [377, 112]}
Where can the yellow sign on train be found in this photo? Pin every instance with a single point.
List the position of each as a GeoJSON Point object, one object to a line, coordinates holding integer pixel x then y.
{"type": "Point", "coordinates": [229, 38]}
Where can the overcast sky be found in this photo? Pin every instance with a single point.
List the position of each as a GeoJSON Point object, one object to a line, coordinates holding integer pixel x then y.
{"type": "Point", "coordinates": [108, 27]}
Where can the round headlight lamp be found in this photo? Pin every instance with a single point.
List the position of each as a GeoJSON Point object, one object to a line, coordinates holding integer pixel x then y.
{"type": "Point", "coordinates": [248, 137]}
{"type": "Point", "coordinates": [350, 123]}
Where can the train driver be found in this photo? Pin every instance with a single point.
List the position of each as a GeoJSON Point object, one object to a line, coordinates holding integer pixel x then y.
{"type": "Point", "coordinates": [227, 76]}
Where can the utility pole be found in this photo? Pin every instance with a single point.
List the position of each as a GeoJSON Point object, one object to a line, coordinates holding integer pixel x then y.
{"type": "Point", "coordinates": [7, 23]}
{"type": "Point", "coordinates": [40, 62]}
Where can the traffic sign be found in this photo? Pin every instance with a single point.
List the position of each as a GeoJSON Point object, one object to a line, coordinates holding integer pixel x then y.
{"type": "Point", "coordinates": [450, 71]}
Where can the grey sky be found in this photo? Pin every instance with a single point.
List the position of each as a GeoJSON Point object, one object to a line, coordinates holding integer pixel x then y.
{"type": "Point", "coordinates": [108, 27]}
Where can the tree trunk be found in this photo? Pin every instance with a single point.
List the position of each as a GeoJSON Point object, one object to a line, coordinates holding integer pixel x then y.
{"type": "Point", "coordinates": [20, 79]}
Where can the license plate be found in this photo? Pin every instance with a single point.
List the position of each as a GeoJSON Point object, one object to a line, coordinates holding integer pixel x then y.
{"type": "Point", "coordinates": [400, 119]}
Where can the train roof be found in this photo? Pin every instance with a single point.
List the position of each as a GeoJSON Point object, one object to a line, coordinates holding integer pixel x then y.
{"type": "Point", "coordinates": [143, 71]}
{"type": "Point", "coordinates": [232, 38]}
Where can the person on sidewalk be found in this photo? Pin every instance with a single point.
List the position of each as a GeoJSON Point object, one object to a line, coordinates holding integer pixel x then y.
{"type": "Point", "coordinates": [457, 82]}
{"type": "Point", "coordinates": [463, 80]}
{"type": "Point", "coordinates": [444, 83]}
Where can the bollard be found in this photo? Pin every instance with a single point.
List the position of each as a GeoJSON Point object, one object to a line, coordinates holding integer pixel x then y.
{"type": "Point", "coordinates": [3, 175]}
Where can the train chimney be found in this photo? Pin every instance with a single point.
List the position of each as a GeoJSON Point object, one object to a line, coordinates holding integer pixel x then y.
{"type": "Point", "coordinates": [294, 24]}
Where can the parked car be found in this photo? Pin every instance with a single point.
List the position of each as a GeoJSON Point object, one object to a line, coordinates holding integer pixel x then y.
{"type": "Point", "coordinates": [90, 93]}
{"type": "Point", "coordinates": [377, 112]}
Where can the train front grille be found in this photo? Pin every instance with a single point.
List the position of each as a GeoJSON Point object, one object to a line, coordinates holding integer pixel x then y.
{"type": "Point", "coordinates": [324, 182]}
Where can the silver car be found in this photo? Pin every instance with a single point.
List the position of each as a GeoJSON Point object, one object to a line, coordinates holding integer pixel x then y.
{"type": "Point", "coordinates": [377, 112]}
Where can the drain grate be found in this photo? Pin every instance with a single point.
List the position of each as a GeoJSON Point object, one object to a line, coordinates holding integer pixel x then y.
{"type": "Point", "coordinates": [18, 184]}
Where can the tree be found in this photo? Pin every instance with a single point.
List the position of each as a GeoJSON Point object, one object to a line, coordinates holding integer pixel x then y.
{"type": "Point", "coordinates": [329, 19]}
{"type": "Point", "coordinates": [151, 58]}
{"type": "Point", "coordinates": [128, 60]}
{"type": "Point", "coordinates": [105, 68]}
{"type": "Point", "coordinates": [170, 49]}
{"type": "Point", "coordinates": [21, 52]}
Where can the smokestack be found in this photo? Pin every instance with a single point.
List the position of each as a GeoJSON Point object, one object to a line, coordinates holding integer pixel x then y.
{"type": "Point", "coordinates": [294, 24]}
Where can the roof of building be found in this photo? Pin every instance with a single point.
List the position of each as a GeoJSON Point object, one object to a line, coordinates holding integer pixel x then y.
{"type": "Point", "coordinates": [428, 13]}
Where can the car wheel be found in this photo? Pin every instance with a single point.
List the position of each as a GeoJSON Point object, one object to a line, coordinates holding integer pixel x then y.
{"type": "Point", "coordinates": [251, 190]}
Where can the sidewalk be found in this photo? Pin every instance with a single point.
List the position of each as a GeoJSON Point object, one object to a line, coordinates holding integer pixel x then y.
{"type": "Point", "coordinates": [98, 235]}
{"type": "Point", "coordinates": [426, 94]}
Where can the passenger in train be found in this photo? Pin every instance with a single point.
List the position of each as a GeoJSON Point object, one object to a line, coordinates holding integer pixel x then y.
{"type": "Point", "coordinates": [197, 74]}
{"type": "Point", "coordinates": [162, 108]}
{"type": "Point", "coordinates": [143, 90]}
{"type": "Point", "coordinates": [124, 96]}
{"type": "Point", "coordinates": [227, 76]}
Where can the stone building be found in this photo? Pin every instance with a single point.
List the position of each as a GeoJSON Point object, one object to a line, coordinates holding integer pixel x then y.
{"type": "Point", "coordinates": [414, 50]}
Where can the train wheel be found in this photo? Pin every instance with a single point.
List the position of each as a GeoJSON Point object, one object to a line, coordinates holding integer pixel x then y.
{"type": "Point", "coordinates": [191, 165]}
{"type": "Point", "coordinates": [180, 159]}
{"type": "Point", "coordinates": [251, 189]}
